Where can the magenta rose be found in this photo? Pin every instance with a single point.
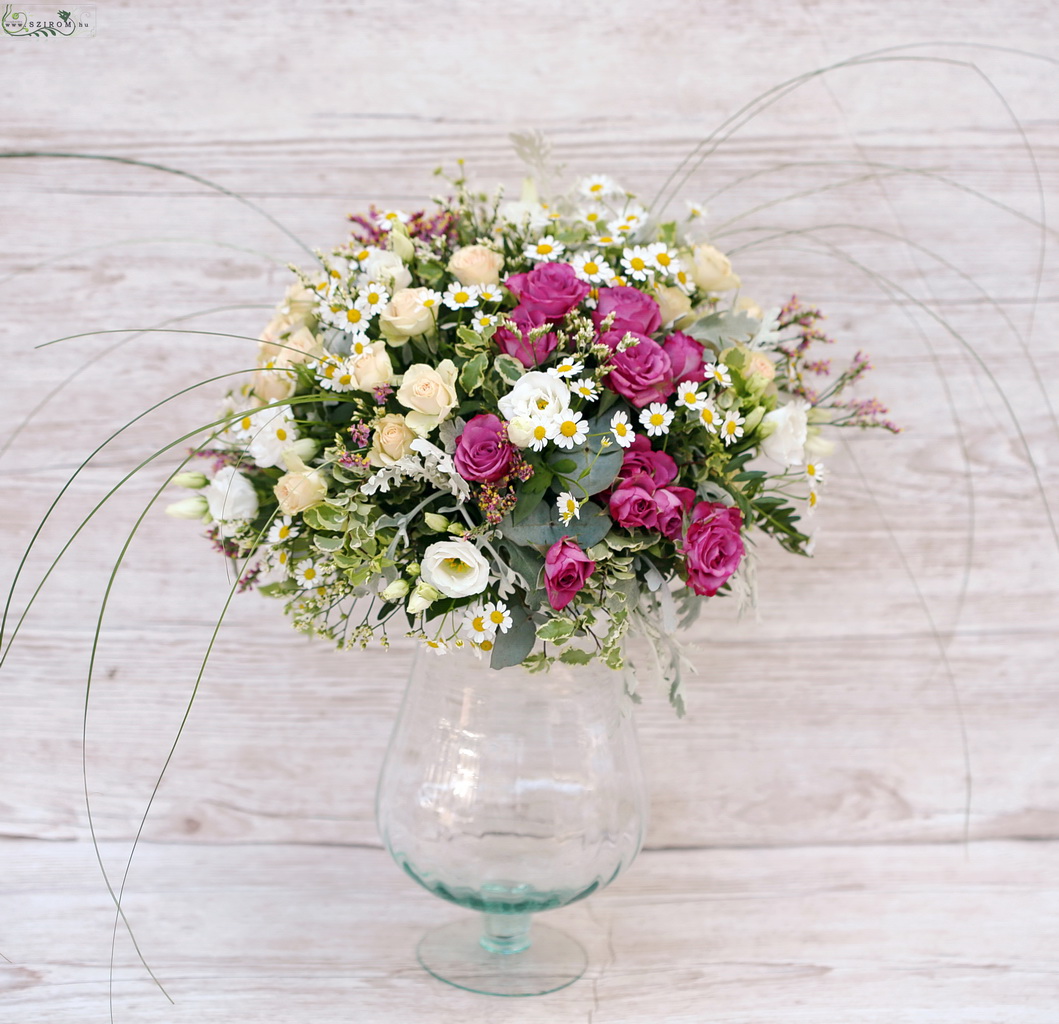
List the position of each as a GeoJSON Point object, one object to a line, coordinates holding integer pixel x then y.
{"type": "Point", "coordinates": [566, 567]}
{"type": "Point", "coordinates": [516, 342]}
{"type": "Point", "coordinates": [632, 503]}
{"type": "Point", "coordinates": [685, 357]}
{"type": "Point", "coordinates": [633, 310]}
{"type": "Point", "coordinates": [642, 373]}
{"type": "Point", "coordinates": [549, 288]}
{"type": "Point", "coordinates": [640, 457]}
{"type": "Point", "coordinates": [482, 450]}
{"type": "Point", "coordinates": [672, 503]}
{"type": "Point", "coordinates": [713, 547]}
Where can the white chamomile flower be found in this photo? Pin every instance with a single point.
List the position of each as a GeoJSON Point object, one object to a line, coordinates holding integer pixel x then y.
{"type": "Point", "coordinates": [622, 429]}
{"type": "Point", "coordinates": [719, 374]}
{"type": "Point", "coordinates": [683, 280]}
{"type": "Point", "coordinates": [460, 296]}
{"type": "Point", "coordinates": [732, 427]}
{"type": "Point", "coordinates": [663, 259]}
{"type": "Point", "coordinates": [282, 561]}
{"type": "Point", "coordinates": [282, 530]}
{"type": "Point", "coordinates": [708, 415]}
{"type": "Point", "coordinates": [476, 626]}
{"type": "Point", "coordinates": [541, 433]}
{"type": "Point", "coordinates": [371, 299]}
{"type": "Point", "coordinates": [360, 344]}
{"type": "Point", "coordinates": [274, 432]}
{"type": "Point", "coordinates": [810, 506]}
{"type": "Point", "coordinates": [544, 250]}
{"type": "Point", "coordinates": [489, 293]}
{"type": "Point", "coordinates": [608, 241]}
{"type": "Point", "coordinates": [430, 299]}
{"type": "Point", "coordinates": [592, 217]}
{"type": "Point", "coordinates": [308, 574]}
{"type": "Point", "coordinates": [816, 472]}
{"type": "Point", "coordinates": [566, 368]}
{"type": "Point", "coordinates": [569, 507]}
{"type": "Point", "coordinates": [358, 257]}
{"type": "Point", "coordinates": [599, 186]}
{"type": "Point", "coordinates": [688, 395]}
{"type": "Point", "coordinates": [655, 419]}
{"type": "Point", "coordinates": [570, 429]}
{"type": "Point", "coordinates": [437, 645]}
{"type": "Point", "coordinates": [695, 209]}
{"type": "Point", "coordinates": [346, 318]}
{"type": "Point", "coordinates": [591, 267]}
{"type": "Point", "coordinates": [339, 376]}
{"type": "Point", "coordinates": [585, 387]}
{"type": "Point", "coordinates": [483, 320]}
{"type": "Point", "coordinates": [635, 214]}
{"type": "Point", "coordinates": [497, 615]}
{"type": "Point", "coordinates": [638, 262]}
{"type": "Point", "coordinates": [388, 218]}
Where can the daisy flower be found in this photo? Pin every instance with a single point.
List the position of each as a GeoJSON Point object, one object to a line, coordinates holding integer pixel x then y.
{"type": "Point", "coordinates": [476, 626]}
{"type": "Point", "coordinates": [591, 267]}
{"type": "Point", "coordinates": [308, 574]}
{"type": "Point", "coordinates": [593, 218]}
{"type": "Point", "coordinates": [569, 507]}
{"type": "Point", "coordinates": [622, 429]}
{"type": "Point", "coordinates": [811, 505]}
{"type": "Point", "coordinates": [708, 415]}
{"type": "Point", "coordinates": [683, 280]}
{"type": "Point", "coordinates": [586, 388]}
{"type": "Point", "coordinates": [732, 427]}
{"type": "Point", "coordinates": [570, 429]}
{"type": "Point", "coordinates": [431, 299]}
{"type": "Point", "coordinates": [460, 296]}
{"type": "Point", "coordinates": [663, 259]}
{"type": "Point", "coordinates": [541, 434]}
{"type": "Point", "coordinates": [282, 529]}
{"type": "Point", "coordinates": [483, 320]}
{"type": "Point", "coordinates": [695, 209]}
{"type": "Point", "coordinates": [358, 257]}
{"type": "Point", "coordinates": [359, 345]}
{"type": "Point", "coordinates": [387, 218]}
{"type": "Point", "coordinates": [815, 472]}
{"type": "Point", "coordinates": [638, 262]}
{"type": "Point", "coordinates": [688, 395]}
{"type": "Point", "coordinates": [497, 615]}
{"type": "Point", "coordinates": [719, 374]}
{"type": "Point", "coordinates": [567, 368]}
{"type": "Point", "coordinates": [489, 293]}
{"type": "Point", "coordinates": [599, 186]}
{"type": "Point", "coordinates": [655, 419]}
{"type": "Point", "coordinates": [339, 377]}
{"type": "Point", "coordinates": [371, 299]}
{"type": "Point", "coordinates": [544, 250]}
{"type": "Point", "coordinates": [437, 645]}
{"type": "Point", "coordinates": [606, 240]}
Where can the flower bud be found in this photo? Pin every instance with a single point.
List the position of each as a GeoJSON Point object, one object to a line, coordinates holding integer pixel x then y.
{"type": "Point", "coordinates": [395, 591]}
{"type": "Point", "coordinates": [305, 448]}
{"type": "Point", "coordinates": [191, 480]}
{"type": "Point", "coordinates": [400, 243]}
{"type": "Point", "coordinates": [422, 597]}
{"type": "Point", "coordinates": [437, 523]}
{"type": "Point", "coordinates": [195, 507]}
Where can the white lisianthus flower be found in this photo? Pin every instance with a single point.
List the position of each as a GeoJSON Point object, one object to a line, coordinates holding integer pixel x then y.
{"type": "Point", "coordinates": [539, 396]}
{"type": "Point", "coordinates": [273, 433]}
{"type": "Point", "coordinates": [230, 496]}
{"type": "Point", "coordinates": [387, 268]}
{"type": "Point", "coordinates": [787, 429]}
{"type": "Point", "coordinates": [455, 567]}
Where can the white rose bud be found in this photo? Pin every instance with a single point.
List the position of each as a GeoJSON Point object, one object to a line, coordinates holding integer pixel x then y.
{"type": "Point", "coordinates": [401, 243]}
{"type": "Point", "coordinates": [386, 268]}
{"type": "Point", "coordinates": [405, 316]}
{"type": "Point", "coordinates": [422, 598]}
{"type": "Point", "coordinates": [395, 591]}
{"type": "Point", "coordinates": [712, 270]}
{"type": "Point", "coordinates": [476, 264]}
{"type": "Point", "coordinates": [455, 567]}
{"type": "Point", "coordinates": [520, 431]}
{"type": "Point", "coordinates": [190, 508]}
{"type": "Point", "coordinates": [436, 522]}
{"type": "Point", "coordinates": [391, 441]}
{"type": "Point", "coordinates": [373, 367]}
{"type": "Point", "coordinates": [304, 448]}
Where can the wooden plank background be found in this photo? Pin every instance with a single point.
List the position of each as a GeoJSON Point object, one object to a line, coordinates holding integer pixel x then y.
{"type": "Point", "coordinates": [919, 641]}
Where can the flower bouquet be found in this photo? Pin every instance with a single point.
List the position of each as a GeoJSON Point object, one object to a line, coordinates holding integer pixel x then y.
{"type": "Point", "coordinates": [522, 429]}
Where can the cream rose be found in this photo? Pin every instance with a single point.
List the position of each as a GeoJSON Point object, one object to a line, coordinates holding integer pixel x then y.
{"type": "Point", "coordinates": [372, 367]}
{"type": "Point", "coordinates": [476, 264]}
{"type": "Point", "coordinates": [297, 491]}
{"type": "Point", "coordinates": [301, 346]}
{"type": "Point", "coordinates": [405, 316]}
{"type": "Point", "coordinates": [750, 307]}
{"type": "Point", "coordinates": [712, 270]}
{"type": "Point", "coordinates": [391, 441]}
{"type": "Point", "coordinates": [760, 367]}
{"type": "Point", "coordinates": [455, 567]}
{"type": "Point", "coordinates": [429, 393]}
{"type": "Point", "coordinates": [273, 385]}
{"type": "Point", "coordinates": [293, 313]}
{"type": "Point", "coordinates": [675, 305]}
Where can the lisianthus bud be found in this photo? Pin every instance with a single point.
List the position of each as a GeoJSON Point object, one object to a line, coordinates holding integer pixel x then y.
{"type": "Point", "coordinates": [305, 448]}
{"type": "Point", "coordinates": [395, 591]}
{"type": "Point", "coordinates": [190, 479]}
{"type": "Point", "coordinates": [520, 431]}
{"type": "Point", "coordinates": [422, 597]}
{"type": "Point", "coordinates": [195, 507]}
{"type": "Point", "coordinates": [437, 523]}
{"type": "Point", "coordinates": [400, 243]}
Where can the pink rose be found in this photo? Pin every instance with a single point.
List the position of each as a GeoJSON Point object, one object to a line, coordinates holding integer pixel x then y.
{"type": "Point", "coordinates": [685, 357]}
{"type": "Point", "coordinates": [713, 547]}
{"type": "Point", "coordinates": [642, 373]}
{"type": "Point", "coordinates": [639, 457]}
{"type": "Point", "coordinates": [633, 504]}
{"type": "Point", "coordinates": [566, 567]}
{"type": "Point", "coordinates": [634, 311]}
{"type": "Point", "coordinates": [482, 451]}
{"type": "Point", "coordinates": [549, 288]}
{"type": "Point", "coordinates": [672, 503]}
{"type": "Point", "coordinates": [516, 342]}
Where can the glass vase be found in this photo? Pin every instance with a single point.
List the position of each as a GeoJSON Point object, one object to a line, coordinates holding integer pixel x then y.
{"type": "Point", "coordinates": [510, 793]}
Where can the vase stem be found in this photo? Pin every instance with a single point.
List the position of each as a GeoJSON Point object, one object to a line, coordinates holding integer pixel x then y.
{"type": "Point", "coordinates": [506, 933]}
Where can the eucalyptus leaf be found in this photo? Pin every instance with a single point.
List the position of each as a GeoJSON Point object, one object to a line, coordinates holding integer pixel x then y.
{"type": "Point", "coordinates": [542, 527]}
{"type": "Point", "coordinates": [512, 647]}
{"type": "Point", "coordinates": [591, 465]}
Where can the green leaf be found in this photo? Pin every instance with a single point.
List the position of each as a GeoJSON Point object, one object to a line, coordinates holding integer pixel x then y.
{"type": "Point", "coordinates": [325, 517]}
{"type": "Point", "coordinates": [592, 465]}
{"type": "Point", "coordinates": [473, 372]}
{"type": "Point", "coordinates": [564, 466]}
{"type": "Point", "coordinates": [469, 337]}
{"type": "Point", "coordinates": [542, 527]}
{"type": "Point", "coordinates": [575, 656]}
{"type": "Point", "coordinates": [558, 629]}
{"type": "Point", "coordinates": [508, 368]}
{"type": "Point", "coordinates": [328, 542]}
{"type": "Point", "coordinates": [512, 647]}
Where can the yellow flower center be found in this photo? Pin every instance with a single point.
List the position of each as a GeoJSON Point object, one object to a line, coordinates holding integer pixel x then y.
{"type": "Point", "coordinates": [478, 624]}
{"type": "Point", "coordinates": [568, 429]}
{"type": "Point", "coordinates": [595, 188]}
{"type": "Point", "coordinates": [636, 263]}
{"type": "Point", "coordinates": [281, 434]}
{"type": "Point", "coordinates": [543, 248]}
{"type": "Point", "coordinates": [620, 429]}
{"type": "Point", "coordinates": [591, 267]}
{"type": "Point", "coordinates": [496, 616]}
{"type": "Point", "coordinates": [309, 574]}
{"type": "Point", "coordinates": [663, 259]}
{"type": "Point", "coordinates": [689, 397]}
{"type": "Point", "coordinates": [657, 419]}
{"type": "Point", "coordinates": [461, 296]}
{"type": "Point", "coordinates": [245, 423]}
{"type": "Point", "coordinates": [539, 433]}
{"type": "Point", "coordinates": [456, 565]}
{"type": "Point", "coordinates": [354, 316]}
{"type": "Point", "coordinates": [486, 645]}
{"type": "Point", "coordinates": [284, 532]}
{"type": "Point", "coordinates": [707, 416]}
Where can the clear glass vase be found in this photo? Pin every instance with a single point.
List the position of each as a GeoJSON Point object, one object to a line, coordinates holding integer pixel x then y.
{"type": "Point", "coordinates": [510, 793]}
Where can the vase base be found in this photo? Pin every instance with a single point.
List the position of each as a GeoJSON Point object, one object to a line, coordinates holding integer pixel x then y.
{"type": "Point", "coordinates": [454, 954]}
